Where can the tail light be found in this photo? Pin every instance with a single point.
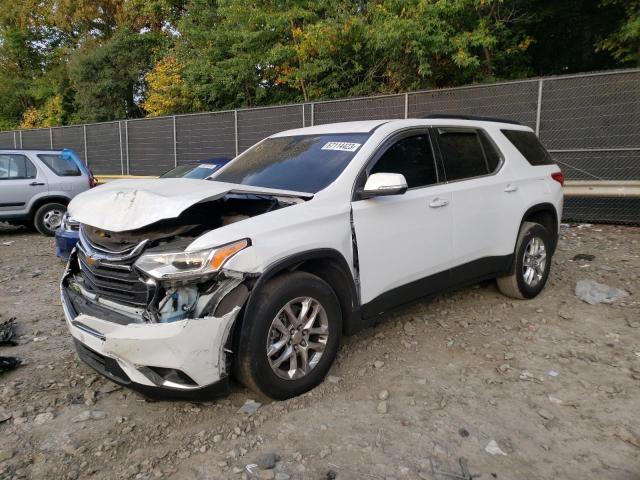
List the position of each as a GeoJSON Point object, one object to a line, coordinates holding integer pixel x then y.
{"type": "Point", "coordinates": [558, 177]}
{"type": "Point", "coordinates": [92, 180]}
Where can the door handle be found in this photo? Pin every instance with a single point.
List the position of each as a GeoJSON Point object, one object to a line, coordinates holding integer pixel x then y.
{"type": "Point", "coordinates": [438, 202]}
{"type": "Point", "coordinates": [36, 184]}
{"type": "Point", "coordinates": [511, 188]}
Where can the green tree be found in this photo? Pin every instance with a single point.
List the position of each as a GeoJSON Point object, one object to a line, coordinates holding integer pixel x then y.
{"type": "Point", "coordinates": [108, 77]}
{"type": "Point", "coordinates": [624, 42]}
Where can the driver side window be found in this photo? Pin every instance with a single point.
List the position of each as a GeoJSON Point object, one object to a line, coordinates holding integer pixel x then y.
{"type": "Point", "coordinates": [412, 157]}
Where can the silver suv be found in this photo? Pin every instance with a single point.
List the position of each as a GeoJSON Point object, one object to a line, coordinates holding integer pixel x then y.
{"type": "Point", "coordinates": [37, 185]}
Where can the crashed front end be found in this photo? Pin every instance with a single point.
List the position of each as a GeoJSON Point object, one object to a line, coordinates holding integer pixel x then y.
{"type": "Point", "coordinates": [149, 315]}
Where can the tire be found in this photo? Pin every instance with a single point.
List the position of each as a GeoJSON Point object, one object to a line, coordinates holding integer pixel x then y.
{"type": "Point", "coordinates": [48, 218]}
{"type": "Point", "coordinates": [527, 281]}
{"type": "Point", "coordinates": [256, 369]}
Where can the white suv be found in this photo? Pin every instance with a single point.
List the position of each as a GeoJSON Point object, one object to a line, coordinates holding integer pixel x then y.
{"type": "Point", "coordinates": [310, 234]}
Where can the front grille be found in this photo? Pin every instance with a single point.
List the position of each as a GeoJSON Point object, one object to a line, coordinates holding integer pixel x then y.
{"type": "Point", "coordinates": [118, 282]}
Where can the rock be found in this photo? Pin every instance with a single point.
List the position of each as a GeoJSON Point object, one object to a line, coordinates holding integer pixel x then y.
{"type": "Point", "coordinates": [5, 415]}
{"type": "Point", "coordinates": [509, 356]}
{"type": "Point", "coordinates": [217, 438]}
{"type": "Point", "coordinates": [584, 256]}
{"type": "Point", "coordinates": [89, 415]}
{"type": "Point", "coordinates": [593, 292]}
{"type": "Point", "coordinates": [565, 315]}
{"type": "Point", "coordinates": [383, 407]}
{"type": "Point", "coordinates": [43, 418]}
{"type": "Point", "coordinates": [409, 329]}
{"type": "Point", "coordinates": [282, 476]}
{"type": "Point", "coordinates": [383, 395]}
{"type": "Point", "coordinates": [378, 364]}
{"type": "Point", "coordinates": [266, 474]}
{"type": "Point", "coordinates": [250, 407]}
{"type": "Point", "coordinates": [545, 414]}
{"type": "Point", "coordinates": [334, 379]}
{"type": "Point", "coordinates": [463, 432]}
{"type": "Point", "coordinates": [493, 448]}
{"type": "Point", "coordinates": [89, 397]}
{"type": "Point", "coordinates": [325, 452]}
{"type": "Point", "coordinates": [267, 461]}
{"type": "Point", "coordinates": [630, 322]}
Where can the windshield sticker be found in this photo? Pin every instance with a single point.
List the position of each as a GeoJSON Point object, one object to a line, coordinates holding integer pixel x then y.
{"type": "Point", "coordinates": [210, 167]}
{"type": "Point", "coordinates": [341, 146]}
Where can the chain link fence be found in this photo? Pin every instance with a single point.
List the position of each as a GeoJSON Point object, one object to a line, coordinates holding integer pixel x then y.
{"type": "Point", "coordinates": [590, 123]}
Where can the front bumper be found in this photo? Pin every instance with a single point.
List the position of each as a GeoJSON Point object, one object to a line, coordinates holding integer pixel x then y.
{"type": "Point", "coordinates": [139, 355]}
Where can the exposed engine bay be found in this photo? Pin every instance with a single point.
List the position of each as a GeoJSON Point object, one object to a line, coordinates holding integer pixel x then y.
{"type": "Point", "coordinates": [104, 281]}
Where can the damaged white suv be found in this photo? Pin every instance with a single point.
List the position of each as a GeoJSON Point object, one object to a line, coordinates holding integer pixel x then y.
{"type": "Point", "coordinates": [308, 235]}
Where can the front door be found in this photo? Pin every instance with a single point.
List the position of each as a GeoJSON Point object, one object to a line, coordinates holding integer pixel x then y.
{"type": "Point", "coordinates": [404, 242]}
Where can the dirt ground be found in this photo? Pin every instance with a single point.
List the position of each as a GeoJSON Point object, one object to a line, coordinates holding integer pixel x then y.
{"type": "Point", "coordinates": [553, 383]}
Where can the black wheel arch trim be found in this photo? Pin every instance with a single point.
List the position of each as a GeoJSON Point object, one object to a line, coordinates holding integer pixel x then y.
{"type": "Point", "coordinates": [539, 207]}
{"type": "Point", "coordinates": [292, 262]}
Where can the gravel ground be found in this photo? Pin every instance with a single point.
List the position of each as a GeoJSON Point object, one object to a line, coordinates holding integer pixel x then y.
{"type": "Point", "coordinates": [539, 389]}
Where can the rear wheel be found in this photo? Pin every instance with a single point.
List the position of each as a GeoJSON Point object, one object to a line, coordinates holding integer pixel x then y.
{"type": "Point", "coordinates": [532, 263]}
{"type": "Point", "coordinates": [290, 337]}
{"type": "Point", "coordinates": [48, 218]}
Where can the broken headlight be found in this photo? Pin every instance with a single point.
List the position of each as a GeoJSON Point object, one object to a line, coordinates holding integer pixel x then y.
{"type": "Point", "coordinates": [175, 265]}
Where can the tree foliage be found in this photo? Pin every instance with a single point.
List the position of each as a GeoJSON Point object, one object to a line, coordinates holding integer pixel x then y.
{"type": "Point", "coordinates": [66, 61]}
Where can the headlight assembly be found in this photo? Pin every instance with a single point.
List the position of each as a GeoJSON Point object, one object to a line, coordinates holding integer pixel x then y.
{"type": "Point", "coordinates": [178, 265]}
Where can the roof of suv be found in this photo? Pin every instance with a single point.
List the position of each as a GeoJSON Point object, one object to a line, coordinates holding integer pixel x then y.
{"type": "Point", "coordinates": [368, 126]}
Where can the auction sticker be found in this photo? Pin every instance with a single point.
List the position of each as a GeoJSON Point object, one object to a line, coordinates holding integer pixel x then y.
{"type": "Point", "coordinates": [341, 146]}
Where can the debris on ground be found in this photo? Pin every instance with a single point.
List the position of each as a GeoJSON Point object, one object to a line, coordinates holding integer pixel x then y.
{"type": "Point", "coordinates": [9, 363]}
{"type": "Point", "coordinates": [493, 448]}
{"type": "Point", "coordinates": [593, 292]}
{"type": "Point", "coordinates": [7, 332]}
{"type": "Point", "coordinates": [584, 256]}
{"type": "Point", "coordinates": [249, 407]}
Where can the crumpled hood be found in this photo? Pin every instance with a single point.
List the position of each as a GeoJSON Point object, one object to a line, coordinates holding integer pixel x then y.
{"type": "Point", "coordinates": [125, 205]}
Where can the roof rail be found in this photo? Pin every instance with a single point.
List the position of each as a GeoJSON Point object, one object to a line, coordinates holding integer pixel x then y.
{"type": "Point", "coordinates": [470, 117]}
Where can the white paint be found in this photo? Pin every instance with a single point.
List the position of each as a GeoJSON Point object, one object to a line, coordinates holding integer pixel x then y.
{"type": "Point", "coordinates": [131, 204]}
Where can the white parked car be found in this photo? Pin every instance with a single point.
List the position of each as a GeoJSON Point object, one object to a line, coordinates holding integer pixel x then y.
{"type": "Point", "coordinates": [310, 234]}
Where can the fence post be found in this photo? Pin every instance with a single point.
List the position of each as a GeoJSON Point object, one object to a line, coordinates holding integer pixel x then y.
{"type": "Point", "coordinates": [120, 142]}
{"type": "Point", "coordinates": [126, 139]}
{"type": "Point", "coordinates": [15, 143]}
{"type": "Point", "coordinates": [84, 137]}
{"type": "Point", "coordinates": [406, 105]}
{"type": "Point", "coordinates": [175, 144]}
{"type": "Point", "coordinates": [20, 132]}
{"type": "Point", "coordinates": [313, 117]}
{"type": "Point", "coordinates": [539, 109]}
{"type": "Point", "coordinates": [235, 126]}
{"type": "Point", "coordinates": [50, 138]}
{"type": "Point", "coordinates": [303, 112]}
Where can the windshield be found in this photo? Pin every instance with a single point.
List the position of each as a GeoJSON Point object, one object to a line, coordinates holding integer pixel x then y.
{"type": "Point", "coordinates": [304, 163]}
{"type": "Point", "coordinates": [199, 171]}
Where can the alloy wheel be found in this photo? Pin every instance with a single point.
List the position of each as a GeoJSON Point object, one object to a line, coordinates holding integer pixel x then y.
{"type": "Point", "coordinates": [297, 338]}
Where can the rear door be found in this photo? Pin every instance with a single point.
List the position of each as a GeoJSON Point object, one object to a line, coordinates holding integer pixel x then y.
{"type": "Point", "coordinates": [402, 239]}
{"type": "Point", "coordinates": [483, 198]}
{"type": "Point", "coordinates": [20, 181]}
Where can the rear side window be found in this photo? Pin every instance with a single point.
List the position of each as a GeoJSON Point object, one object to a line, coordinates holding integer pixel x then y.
{"type": "Point", "coordinates": [462, 153]}
{"type": "Point", "coordinates": [413, 158]}
{"type": "Point", "coordinates": [61, 166]}
{"type": "Point", "coordinates": [529, 146]}
{"type": "Point", "coordinates": [16, 167]}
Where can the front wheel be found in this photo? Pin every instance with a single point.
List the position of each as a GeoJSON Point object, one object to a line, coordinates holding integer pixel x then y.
{"type": "Point", "coordinates": [48, 218]}
{"type": "Point", "coordinates": [290, 337]}
{"type": "Point", "coordinates": [532, 263]}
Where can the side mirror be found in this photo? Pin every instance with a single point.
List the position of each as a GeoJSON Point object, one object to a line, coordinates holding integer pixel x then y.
{"type": "Point", "coordinates": [383, 184]}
